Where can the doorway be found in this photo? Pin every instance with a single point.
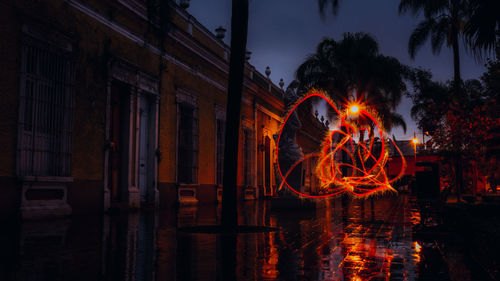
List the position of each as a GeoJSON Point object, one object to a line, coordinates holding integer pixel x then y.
{"type": "Point", "coordinates": [119, 139]}
{"type": "Point", "coordinates": [267, 165]}
{"type": "Point", "coordinates": [146, 143]}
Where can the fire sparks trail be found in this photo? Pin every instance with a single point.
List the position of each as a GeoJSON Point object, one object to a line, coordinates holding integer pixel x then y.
{"type": "Point", "coordinates": [344, 165]}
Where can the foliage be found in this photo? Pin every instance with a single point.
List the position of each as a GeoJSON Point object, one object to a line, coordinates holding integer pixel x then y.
{"type": "Point", "coordinates": [482, 28]}
{"type": "Point", "coordinates": [443, 21]}
{"type": "Point", "coordinates": [477, 22]}
{"type": "Point", "coordinates": [491, 78]}
{"type": "Point", "coordinates": [323, 5]}
{"type": "Point", "coordinates": [353, 71]}
{"type": "Point", "coordinates": [430, 100]}
{"type": "Point", "coordinates": [460, 129]}
{"type": "Point", "coordinates": [465, 129]}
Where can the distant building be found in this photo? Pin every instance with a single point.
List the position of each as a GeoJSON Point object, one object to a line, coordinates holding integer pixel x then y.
{"type": "Point", "coordinates": [407, 149]}
{"type": "Point", "coordinates": [310, 137]}
{"type": "Point", "coordinates": [103, 108]}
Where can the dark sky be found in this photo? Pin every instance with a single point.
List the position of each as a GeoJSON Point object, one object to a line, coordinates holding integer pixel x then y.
{"type": "Point", "coordinates": [281, 33]}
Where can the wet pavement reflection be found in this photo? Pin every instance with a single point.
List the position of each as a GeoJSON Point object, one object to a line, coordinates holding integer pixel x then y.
{"type": "Point", "coordinates": [346, 240]}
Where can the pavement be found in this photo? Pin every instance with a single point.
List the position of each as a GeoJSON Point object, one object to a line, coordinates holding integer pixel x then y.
{"type": "Point", "coordinates": [379, 239]}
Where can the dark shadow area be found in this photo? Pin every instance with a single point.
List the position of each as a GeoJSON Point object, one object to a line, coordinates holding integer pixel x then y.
{"type": "Point", "coordinates": [217, 229]}
{"type": "Point", "coordinates": [344, 240]}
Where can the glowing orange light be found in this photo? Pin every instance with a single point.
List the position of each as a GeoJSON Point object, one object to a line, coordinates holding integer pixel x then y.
{"type": "Point", "coordinates": [415, 140]}
{"type": "Point", "coordinates": [356, 278]}
{"type": "Point", "coordinates": [417, 247]}
{"type": "Point", "coordinates": [367, 175]}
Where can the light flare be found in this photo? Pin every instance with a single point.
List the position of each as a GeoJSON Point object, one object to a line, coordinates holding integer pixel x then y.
{"type": "Point", "coordinates": [344, 166]}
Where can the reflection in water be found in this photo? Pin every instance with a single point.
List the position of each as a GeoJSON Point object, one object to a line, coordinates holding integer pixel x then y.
{"type": "Point", "coordinates": [346, 240]}
{"type": "Point", "coordinates": [37, 238]}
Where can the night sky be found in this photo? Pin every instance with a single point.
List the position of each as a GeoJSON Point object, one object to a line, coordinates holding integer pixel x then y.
{"type": "Point", "coordinates": [282, 34]}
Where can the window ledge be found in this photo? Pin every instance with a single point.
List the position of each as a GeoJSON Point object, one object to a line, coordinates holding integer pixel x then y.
{"type": "Point", "coordinates": [188, 185]}
{"type": "Point", "coordinates": [45, 179]}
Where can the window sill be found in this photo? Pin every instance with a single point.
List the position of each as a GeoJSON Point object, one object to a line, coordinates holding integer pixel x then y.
{"type": "Point", "coordinates": [187, 185]}
{"type": "Point", "coordinates": [45, 179]}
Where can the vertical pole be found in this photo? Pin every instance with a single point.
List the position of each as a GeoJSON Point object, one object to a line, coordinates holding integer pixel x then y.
{"type": "Point", "coordinates": [423, 140]}
{"type": "Point", "coordinates": [239, 28]}
{"type": "Point", "coordinates": [415, 153]}
{"type": "Point", "coordinates": [414, 140]}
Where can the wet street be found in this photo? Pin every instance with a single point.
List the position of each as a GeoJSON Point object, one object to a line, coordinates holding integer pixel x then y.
{"type": "Point", "coordinates": [345, 240]}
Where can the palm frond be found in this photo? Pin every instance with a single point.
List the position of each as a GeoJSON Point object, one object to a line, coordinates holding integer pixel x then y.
{"type": "Point", "coordinates": [353, 68]}
{"type": "Point", "coordinates": [417, 110]}
{"type": "Point", "coordinates": [326, 47]}
{"type": "Point", "coordinates": [482, 30]}
{"type": "Point", "coordinates": [398, 121]}
{"type": "Point", "coordinates": [433, 8]}
{"type": "Point", "coordinates": [412, 6]}
{"type": "Point", "coordinates": [419, 36]}
{"type": "Point", "coordinates": [439, 33]}
{"type": "Point", "coordinates": [323, 6]}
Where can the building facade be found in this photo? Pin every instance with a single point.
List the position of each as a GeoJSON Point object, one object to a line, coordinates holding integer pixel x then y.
{"type": "Point", "coordinates": [310, 138]}
{"type": "Point", "coordinates": [105, 107]}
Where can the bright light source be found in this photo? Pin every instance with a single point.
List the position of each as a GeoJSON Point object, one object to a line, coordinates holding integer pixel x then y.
{"type": "Point", "coordinates": [417, 247]}
{"type": "Point", "coordinates": [354, 109]}
{"type": "Point", "coordinates": [415, 140]}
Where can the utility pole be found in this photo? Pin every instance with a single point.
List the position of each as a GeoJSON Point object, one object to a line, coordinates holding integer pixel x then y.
{"type": "Point", "coordinates": [239, 29]}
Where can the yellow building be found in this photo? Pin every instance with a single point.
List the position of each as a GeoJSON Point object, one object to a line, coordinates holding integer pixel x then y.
{"type": "Point", "coordinates": [103, 107]}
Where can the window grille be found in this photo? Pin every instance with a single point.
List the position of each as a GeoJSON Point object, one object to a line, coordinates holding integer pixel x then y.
{"type": "Point", "coordinates": [220, 150]}
{"type": "Point", "coordinates": [187, 167]}
{"type": "Point", "coordinates": [46, 111]}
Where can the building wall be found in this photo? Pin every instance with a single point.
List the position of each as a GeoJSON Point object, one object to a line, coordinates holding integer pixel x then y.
{"type": "Point", "coordinates": [394, 164]}
{"type": "Point", "coordinates": [102, 35]}
{"type": "Point", "coordinates": [9, 201]}
{"type": "Point", "coordinates": [310, 138]}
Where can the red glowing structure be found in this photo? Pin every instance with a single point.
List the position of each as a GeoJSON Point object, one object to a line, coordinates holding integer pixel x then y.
{"type": "Point", "coordinates": [344, 166]}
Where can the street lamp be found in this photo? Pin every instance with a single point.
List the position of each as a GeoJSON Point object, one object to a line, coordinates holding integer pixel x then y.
{"type": "Point", "coordinates": [354, 108]}
{"type": "Point", "coordinates": [415, 142]}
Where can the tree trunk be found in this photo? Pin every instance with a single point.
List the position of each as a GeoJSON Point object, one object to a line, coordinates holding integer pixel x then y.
{"type": "Point", "coordinates": [475, 178]}
{"type": "Point", "coordinates": [458, 176]}
{"type": "Point", "coordinates": [457, 85]}
{"type": "Point", "coordinates": [239, 26]}
{"type": "Point", "coordinates": [456, 61]}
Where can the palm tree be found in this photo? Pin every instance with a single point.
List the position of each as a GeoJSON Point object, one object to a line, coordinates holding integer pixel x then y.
{"type": "Point", "coordinates": [483, 28]}
{"type": "Point", "coordinates": [352, 70]}
{"type": "Point", "coordinates": [433, 111]}
{"type": "Point", "coordinates": [431, 101]}
{"type": "Point", "coordinates": [323, 5]}
{"type": "Point", "coordinates": [443, 19]}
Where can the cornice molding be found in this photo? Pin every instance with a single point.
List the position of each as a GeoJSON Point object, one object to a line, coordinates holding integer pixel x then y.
{"type": "Point", "coordinates": [180, 37]}
{"type": "Point", "coordinates": [268, 112]}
